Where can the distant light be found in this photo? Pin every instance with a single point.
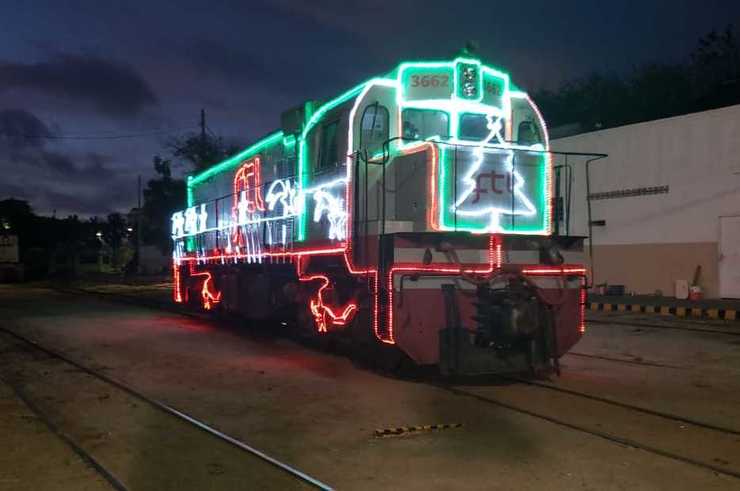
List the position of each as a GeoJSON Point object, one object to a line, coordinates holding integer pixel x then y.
{"type": "Point", "coordinates": [129, 229]}
{"type": "Point", "coordinates": [99, 234]}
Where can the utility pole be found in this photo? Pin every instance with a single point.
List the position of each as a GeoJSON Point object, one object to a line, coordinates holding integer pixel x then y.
{"type": "Point", "coordinates": [138, 226]}
{"type": "Point", "coordinates": [202, 136]}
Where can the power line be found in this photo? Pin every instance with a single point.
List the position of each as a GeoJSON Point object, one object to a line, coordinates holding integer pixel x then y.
{"type": "Point", "coordinates": [96, 137]}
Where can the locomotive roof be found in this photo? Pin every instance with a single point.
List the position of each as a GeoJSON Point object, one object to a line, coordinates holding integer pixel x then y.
{"type": "Point", "coordinates": [273, 138]}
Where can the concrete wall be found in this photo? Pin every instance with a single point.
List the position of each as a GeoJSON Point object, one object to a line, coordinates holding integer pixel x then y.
{"type": "Point", "coordinates": [651, 240]}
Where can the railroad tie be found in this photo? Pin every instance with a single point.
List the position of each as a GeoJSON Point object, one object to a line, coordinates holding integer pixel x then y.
{"type": "Point", "coordinates": [405, 430]}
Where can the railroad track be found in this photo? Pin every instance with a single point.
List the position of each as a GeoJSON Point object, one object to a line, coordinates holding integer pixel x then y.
{"type": "Point", "coordinates": [605, 435]}
{"type": "Point", "coordinates": [114, 481]}
{"type": "Point", "coordinates": [625, 360]}
{"type": "Point", "coordinates": [609, 436]}
{"type": "Point", "coordinates": [624, 405]}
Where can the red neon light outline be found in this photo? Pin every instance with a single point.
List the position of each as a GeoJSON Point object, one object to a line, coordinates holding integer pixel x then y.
{"type": "Point", "coordinates": [322, 312]}
{"type": "Point", "coordinates": [582, 320]}
{"type": "Point", "coordinates": [209, 298]}
{"type": "Point", "coordinates": [176, 280]}
{"type": "Point", "coordinates": [556, 270]}
{"type": "Point", "coordinates": [494, 256]}
{"type": "Point", "coordinates": [249, 178]}
{"type": "Point", "coordinates": [432, 159]}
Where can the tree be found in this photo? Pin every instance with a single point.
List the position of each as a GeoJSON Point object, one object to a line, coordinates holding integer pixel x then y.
{"type": "Point", "coordinates": [710, 79]}
{"type": "Point", "coordinates": [200, 151]}
{"type": "Point", "coordinates": [15, 214]}
{"type": "Point", "coordinates": [716, 66]}
{"type": "Point", "coordinates": [162, 197]}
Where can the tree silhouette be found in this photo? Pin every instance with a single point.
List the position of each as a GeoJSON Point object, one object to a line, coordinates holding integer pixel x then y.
{"type": "Point", "coordinates": [710, 78]}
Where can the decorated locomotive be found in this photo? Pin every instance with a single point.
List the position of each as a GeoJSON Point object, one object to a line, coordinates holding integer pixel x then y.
{"type": "Point", "coordinates": [412, 214]}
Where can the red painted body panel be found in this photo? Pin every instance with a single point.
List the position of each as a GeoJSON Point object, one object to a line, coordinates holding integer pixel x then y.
{"type": "Point", "coordinates": [420, 315]}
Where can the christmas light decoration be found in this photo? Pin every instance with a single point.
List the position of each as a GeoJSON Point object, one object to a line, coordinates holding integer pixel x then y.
{"type": "Point", "coordinates": [283, 192]}
{"type": "Point", "coordinates": [335, 213]}
{"type": "Point", "coordinates": [322, 313]}
{"type": "Point", "coordinates": [495, 205]}
{"type": "Point", "coordinates": [237, 159]}
{"type": "Point", "coordinates": [176, 287]}
{"type": "Point", "coordinates": [208, 296]}
{"type": "Point", "coordinates": [178, 225]}
{"type": "Point", "coordinates": [248, 185]}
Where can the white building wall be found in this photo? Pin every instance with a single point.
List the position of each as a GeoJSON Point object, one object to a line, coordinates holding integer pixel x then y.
{"type": "Point", "coordinates": [650, 241]}
{"type": "Point", "coordinates": [697, 156]}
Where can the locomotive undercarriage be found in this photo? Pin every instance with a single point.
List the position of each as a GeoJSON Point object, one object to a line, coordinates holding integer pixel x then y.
{"type": "Point", "coordinates": [512, 331]}
{"type": "Point", "coordinates": [463, 316]}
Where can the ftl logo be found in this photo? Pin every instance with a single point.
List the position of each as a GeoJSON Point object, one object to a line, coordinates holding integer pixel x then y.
{"type": "Point", "coordinates": [490, 189]}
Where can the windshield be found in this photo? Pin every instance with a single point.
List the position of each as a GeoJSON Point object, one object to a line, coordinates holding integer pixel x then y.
{"type": "Point", "coordinates": [419, 124]}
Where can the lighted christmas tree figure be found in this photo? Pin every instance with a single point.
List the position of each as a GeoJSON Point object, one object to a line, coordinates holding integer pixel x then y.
{"type": "Point", "coordinates": [490, 186]}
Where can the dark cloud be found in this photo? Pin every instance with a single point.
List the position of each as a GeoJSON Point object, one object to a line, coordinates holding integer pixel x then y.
{"type": "Point", "coordinates": [102, 201]}
{"type": "Point", "coordinates": [24, 139]}
{"type": "Point", "coordinates": [20, 129]}
{"type": "Point", "coordinates": [115, 89]}
{"type": "Point", "coordinates": [37, 167]}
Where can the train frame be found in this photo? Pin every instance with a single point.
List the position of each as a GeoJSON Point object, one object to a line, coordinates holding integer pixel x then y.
{"type": "Point", "coordinates": [413, 212]}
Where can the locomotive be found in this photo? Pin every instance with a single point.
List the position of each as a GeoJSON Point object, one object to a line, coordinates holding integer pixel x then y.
{"type": "Point", "coordinates": [412, 214]}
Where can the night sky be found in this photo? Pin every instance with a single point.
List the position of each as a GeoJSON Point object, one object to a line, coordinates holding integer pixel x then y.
{"type": "Point", "coordinates": [115, 71]}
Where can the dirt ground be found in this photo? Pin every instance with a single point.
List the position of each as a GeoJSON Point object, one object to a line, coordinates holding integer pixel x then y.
{"type": "Point", "coordinates": [318, 412]}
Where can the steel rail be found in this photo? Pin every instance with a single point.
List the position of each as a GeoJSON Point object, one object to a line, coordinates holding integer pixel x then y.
{"type": "Point", "coordinates": [582, 429]}
{"type": "Point", "coordinates": [625, 405]}
{"type": "Point", "coordinates": [85, 456]}
{"type": "Point", "coordinates": [624, 360]}
{"type": "Point", "coordinates": [174, 412]}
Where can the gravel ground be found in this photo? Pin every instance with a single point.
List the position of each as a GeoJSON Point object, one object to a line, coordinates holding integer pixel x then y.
{"type": "Point", "coordinates": [318, 412]}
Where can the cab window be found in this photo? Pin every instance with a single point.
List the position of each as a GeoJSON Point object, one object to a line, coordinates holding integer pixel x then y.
{"type": "Point", "coordinates": [528, 133]}
{"type": "Point", "coordinates": [473, 127]}
{"type": "Point", "coordinates": [374, 127]}
{"type": "Point", "coordinates": [328, 147]}
{"type": "Point", "coordinates": [419, 124]}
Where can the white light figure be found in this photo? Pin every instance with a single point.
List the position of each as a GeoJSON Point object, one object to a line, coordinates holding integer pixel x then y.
{"type": "Point", "coordinates": [191, 221]}
{"type": "Point", "coordinates": [202, 219]}
{"type": "Point", "coordinates": [178, 225]}
{"type": "Point", "coordinates": [242, 206]}
{"type": "Point", "coordinates": [281, 191]}
{"type": "Point", "coordinates": [512, 181]}
{"type": "Point", "coordinates": [335, 213]}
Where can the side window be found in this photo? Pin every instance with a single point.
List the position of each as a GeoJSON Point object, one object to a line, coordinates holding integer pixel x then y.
{"type": "Point", "coordinates": [528, 133]}
{"type": "Point", "coordinates": [328, 148]}
{"type": "Point", "coordinates": [419, 124]}
{"type": "Point", "coordinates": [374, 127]}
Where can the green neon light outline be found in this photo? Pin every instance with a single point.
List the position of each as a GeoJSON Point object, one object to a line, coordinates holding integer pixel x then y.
{"type": "Point", "coordinates": [453, 106]}
{"type": "Point", "coordinates": [458, 87]}
{"type": "Point", "coordinates": [189, 186]}
{"type": "Point", "coordinates": [433, 65]}
{"type": "Point", "coordinates": [289, 141]}
{"type": "Point", "coordinates": [231, 162]}
{"type": "Point", "coordinates": [303, 147]}
{"type": "Point", "coordinates": [447, 217]}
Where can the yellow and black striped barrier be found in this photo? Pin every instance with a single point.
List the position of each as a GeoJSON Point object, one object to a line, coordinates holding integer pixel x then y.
{"type": "Point", "coordinates": [694, 312]}
{"type": "Point", "coordinates": [405, 430]}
